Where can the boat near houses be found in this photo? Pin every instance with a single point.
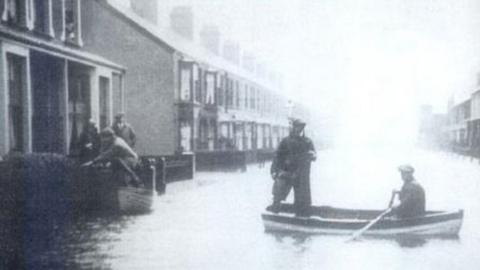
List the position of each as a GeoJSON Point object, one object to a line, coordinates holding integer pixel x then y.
{"type": "Point", "coordinates": [106, 193]}
{"type": "Point", "coordinates": [331, 220]}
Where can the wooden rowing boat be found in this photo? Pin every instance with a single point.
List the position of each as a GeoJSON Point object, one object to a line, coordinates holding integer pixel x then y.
{"type": "Point", "coordinates": [330, 220]}
{"type": "Point", "coordinates": [105, 193]}
{"type": "Point", "coordinates": [134, 200]}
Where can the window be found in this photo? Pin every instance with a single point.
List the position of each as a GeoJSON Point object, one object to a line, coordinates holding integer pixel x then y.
{"type": "Point", "coordinates": [185, 135]}
{"type": "Point", "coordinates": [220, 89]}
{"type": "Point", "coordinates": [41, 17]}
{"type": "Point", "coordinates": [229, 92]}
{"type": "Point", "coordinates": [197, 82]}
{"type": "Point", "coordinates": [237, 94]}
{"type": "Point", "coordinates": [185, 85]}
{"type": "Point", "coordinates": [210, 88]}
{"type": "Point", "coordinates": [78, 104]}
{"type": "Point", "coordinates": [73, 24]}
{"type": "Point", "coordinates": [252, 98]}
{"type": "Point", "coordinates": [19, 12]}
{"type": "Point", "coordinates": [16, 94]}
{"type": "Point", "coordinates": [245, 97]}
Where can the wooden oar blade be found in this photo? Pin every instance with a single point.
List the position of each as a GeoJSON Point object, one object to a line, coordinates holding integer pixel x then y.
{"type": "Point", "coordinates": [358, 233]}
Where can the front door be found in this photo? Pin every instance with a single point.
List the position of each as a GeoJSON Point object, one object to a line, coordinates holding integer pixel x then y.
{"type": "Point", "coordinates": [47, 91]}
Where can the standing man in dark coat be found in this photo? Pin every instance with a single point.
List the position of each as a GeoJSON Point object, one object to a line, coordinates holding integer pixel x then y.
{"type": "Point", "coordinates": [291, 168]}
{"type": "Point", "coordinates": [89, 141]}
{"type": "Point", "coordinates": [411, 196]}
{"type": "Point", "coordinates": [123, 130]}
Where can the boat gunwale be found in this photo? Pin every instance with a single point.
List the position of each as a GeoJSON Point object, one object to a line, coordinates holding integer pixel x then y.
{"type": "Point", "coordinates": [347, 224]}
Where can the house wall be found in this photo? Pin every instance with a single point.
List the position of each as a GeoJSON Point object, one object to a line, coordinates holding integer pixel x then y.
{"type": "Point", "coordinates": [149, 82]}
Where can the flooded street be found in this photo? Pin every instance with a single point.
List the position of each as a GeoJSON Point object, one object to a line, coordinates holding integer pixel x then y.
{"type": "Point", "coordinates": [214, 221]}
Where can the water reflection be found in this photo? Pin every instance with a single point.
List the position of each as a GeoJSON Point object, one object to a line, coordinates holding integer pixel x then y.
{"type": "Point", "coordinates": [218, 226]}
{"type": "Point", "coordinates": [84, 243]}
{"type": "Point", "coordinates": [300, 239]}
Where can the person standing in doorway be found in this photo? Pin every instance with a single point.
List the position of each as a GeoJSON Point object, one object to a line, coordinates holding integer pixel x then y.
{"type": "Point", "coordinates": [291, 168]}
{"type": "Point", "coordinates": [123, 130]}
{"type": "Point", "coordinates": [89, 141]}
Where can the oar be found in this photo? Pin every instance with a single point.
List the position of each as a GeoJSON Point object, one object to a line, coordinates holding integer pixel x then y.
{"type": "Point", "coordinates": [357, 234]}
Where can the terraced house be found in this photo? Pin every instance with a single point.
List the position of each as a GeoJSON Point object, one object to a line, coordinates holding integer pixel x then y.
{"type": "Point", "coordinates": [66, 61]}
{"type": "Point", "coordinates": [49, 84]}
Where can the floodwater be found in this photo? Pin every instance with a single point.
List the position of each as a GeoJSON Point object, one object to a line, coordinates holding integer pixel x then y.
{"type": "Point", "coordinates": [213, 222]}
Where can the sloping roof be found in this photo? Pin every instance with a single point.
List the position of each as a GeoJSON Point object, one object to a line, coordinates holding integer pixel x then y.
{"type": "Point", "coordinates": [185, 47]}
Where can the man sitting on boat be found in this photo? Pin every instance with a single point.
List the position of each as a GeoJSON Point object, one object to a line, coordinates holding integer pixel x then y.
{"type": "Point", "coordinates": [411, 196]}
{"type": "Point", "coordinates": [124, 160]}
{"type": "Point", "coordinates": [291, 167]}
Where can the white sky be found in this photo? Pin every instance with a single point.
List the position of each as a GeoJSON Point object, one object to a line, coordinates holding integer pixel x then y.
{"type": "Point", "coordinates": [371, 63]}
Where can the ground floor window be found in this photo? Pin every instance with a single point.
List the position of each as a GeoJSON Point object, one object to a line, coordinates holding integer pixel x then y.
{"type": "Point", "coordinates": [78, 103]}
{"type": "Point", "coordinates": [185, 135]}
{"type": "Point", "coordinates": [16, 104]}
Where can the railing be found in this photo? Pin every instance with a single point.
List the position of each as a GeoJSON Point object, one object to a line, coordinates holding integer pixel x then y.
{"type": "Point", "coordinates": [171, 168]}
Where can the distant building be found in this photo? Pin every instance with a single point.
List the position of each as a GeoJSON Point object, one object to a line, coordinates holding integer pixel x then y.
{"type": "Point", "coordinates": [432, 131]}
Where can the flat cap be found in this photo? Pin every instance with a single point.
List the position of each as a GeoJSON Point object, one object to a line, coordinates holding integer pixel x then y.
{"type": "Point", "coordinates": [298, 122]}
{"type": "Point", "coordinates": [120, 115]}
{"type": "Point", "coordinates": [406, 168]}
{"type": "Point", "coordinates": [107, 132]}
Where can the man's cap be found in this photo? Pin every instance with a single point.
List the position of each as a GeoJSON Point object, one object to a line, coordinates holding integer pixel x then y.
{"type": "Point", "coordinates": [298, 122]}
{"type": "Point", "coordinates": [120, 115]}
{"type": "Point", "coordinates": [107, 132]}
{"type": "Point", "coordinates": [406, 168]}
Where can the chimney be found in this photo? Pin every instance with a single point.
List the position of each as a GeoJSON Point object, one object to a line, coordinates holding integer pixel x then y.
{"type": "Point", "coordinates": [181, 21]}
{"type": "Point", "coordinates": [210, 38]}
{"type": "Point", "coordinates": [231, 52]}
{"type": "Point", "coordinates": [146, 9]}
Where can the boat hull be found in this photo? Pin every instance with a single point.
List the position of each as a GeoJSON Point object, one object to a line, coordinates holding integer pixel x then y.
{"type": "Point", "coordinates": [107, 194]}
{"type": "Point", "coordinates": [134, 200]}
{"type": "Point", "coordinates": [346, 221]}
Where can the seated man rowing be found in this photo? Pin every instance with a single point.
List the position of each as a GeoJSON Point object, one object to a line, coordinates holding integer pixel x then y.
{"type": "Point", "coordinates": [124, 159]}
{"type": "Point", "coordinates": [411, 196]}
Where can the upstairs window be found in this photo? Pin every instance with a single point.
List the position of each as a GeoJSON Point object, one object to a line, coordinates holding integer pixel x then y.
{"type": "Point", "coordinates": [73, 30]}
{"type": "Point", "coordinates": [69, 20]}
{"type": "Point", "coordinates": [185, 81]}
{"type": "Point", "coordinates": [210, 87]}
{"type": "Point", "coordinates": [14, 12]}
{"type": "Point", "coordinates": [220, 82]}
